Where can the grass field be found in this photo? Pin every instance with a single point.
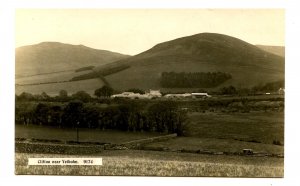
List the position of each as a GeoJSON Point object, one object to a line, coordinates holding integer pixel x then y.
{"type": "Point", "coordinates": [146, 163]}
{"type": "Point", "coordinates": [260, 126]}
{"type": "Point", "coordinates": [85, 135]}
{"type": "Point", "coordinates": [216, 132]}
{"type": "Point", "coordinates": [215, 145]}
{"type": "Point", "coordinates": [53, 89]}
{"type": "Point", "coordinates": [230, 132]}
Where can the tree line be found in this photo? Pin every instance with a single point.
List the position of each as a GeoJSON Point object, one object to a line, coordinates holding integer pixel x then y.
{"type": "Point", "coordinates": [163, 116]}
{"type": "Point", "coordinates": [193, 79]}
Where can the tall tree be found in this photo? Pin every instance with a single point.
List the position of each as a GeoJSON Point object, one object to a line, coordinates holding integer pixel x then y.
{"type": "Point", "coordinates": [105, 91]}
{"type": "Point", "coordinates": [73, 114]}
{"type": "Point", "coordinates": [82, 95]}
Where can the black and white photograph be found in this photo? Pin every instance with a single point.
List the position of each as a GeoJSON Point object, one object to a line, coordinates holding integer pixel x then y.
{"type": "Point", "coordinates": [150, 92]}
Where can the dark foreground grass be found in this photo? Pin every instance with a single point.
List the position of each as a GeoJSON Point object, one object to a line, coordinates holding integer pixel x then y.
{"type": "Point", "coordinates": [145, 163]}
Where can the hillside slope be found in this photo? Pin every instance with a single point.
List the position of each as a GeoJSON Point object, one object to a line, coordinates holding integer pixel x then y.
{"type": "Point", "coordinates": [278, 50]}
{"type": "Point", "coordinates": [205, 52]}
{"type": "Point", "coordinates": [48, 57]}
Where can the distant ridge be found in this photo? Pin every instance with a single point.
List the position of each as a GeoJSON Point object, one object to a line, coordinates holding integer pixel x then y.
{"type": "Point", "coordinates": [247, 64]}
{"type": "Point", "coordinates": [48, 57]}
{"type": "Point", "coordinates": [278, 50]}
{"type": "Point", "coordinates": [205, 52]}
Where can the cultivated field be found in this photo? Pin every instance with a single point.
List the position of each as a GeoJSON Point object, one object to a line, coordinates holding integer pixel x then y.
{"type": "Point", "coordinates": [53, 89]}
{"type": "Point", "coordinates": [146, 163]}
{"type": "Point", "coordinates": [49, 77]}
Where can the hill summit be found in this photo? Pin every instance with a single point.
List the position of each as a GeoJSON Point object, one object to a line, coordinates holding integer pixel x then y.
{"type": "Point", "coordinates": [205, 52]}
{"type": "Point", "coordinates": [48, 57]}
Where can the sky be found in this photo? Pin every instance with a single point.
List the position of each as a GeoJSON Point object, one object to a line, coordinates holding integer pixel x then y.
{"type": "Point", "coordinates": [132, 31]}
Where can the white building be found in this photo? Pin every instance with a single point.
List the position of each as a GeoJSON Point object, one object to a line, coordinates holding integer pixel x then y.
{"type": "Point", "coordinates": [154, 93]}
{"type": "Point", "coordinates": [132, 95]}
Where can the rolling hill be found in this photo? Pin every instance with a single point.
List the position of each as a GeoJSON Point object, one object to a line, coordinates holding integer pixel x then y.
{"type": "Point", "coordinates": [48, 67]}
{"type": "Point", "coordinates": [205, 52]}
{"type": "Point", "coordinates": [278, 50]}
{"type": "Point", "coordinates": [51, 57]}
{"type": "Point", "coordinates": [247, 64]}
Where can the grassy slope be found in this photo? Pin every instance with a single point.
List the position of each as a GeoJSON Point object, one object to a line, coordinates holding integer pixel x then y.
{"type": "Point", "coordinates": [248, 64]}
{"type": "Point", "coordinates": [278, 50]}
{"type": "Point", "coordinates": [53, 56]}
{"type": "Point", "coordinates": [53, 77]}
{"type": "Point", "coordinates": [88, 86]}
{"type": "Point", "coordinates": [56, 62]}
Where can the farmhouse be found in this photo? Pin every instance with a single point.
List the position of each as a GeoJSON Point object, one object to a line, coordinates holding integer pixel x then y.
{"type": "Point", "coordinates": [154, 93]}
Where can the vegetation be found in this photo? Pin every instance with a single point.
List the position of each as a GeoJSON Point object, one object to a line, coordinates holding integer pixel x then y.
{"type": "Point", "coordinates": [81, 95]}
{"type": "Point", "coordinates": [193, 79]}
{"type": "Point", "coordinates": [269, 87]}
{"type": "Point", "coordinates": [127, 116]}
{"type": "Point", "coordinates": [104, 91]}
{"type": "Point", "coordinates": [135, 90]}
{"type": "Point", "coordinates": [100, 73]}
{"type": "Point", "coordinates": [145, 163]}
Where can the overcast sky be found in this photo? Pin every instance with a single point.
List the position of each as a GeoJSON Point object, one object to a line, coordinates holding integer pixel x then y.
{"type": "Point", "coordinates": [130, 31]}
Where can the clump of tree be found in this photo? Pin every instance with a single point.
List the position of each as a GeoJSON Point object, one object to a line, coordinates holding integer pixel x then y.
{"type": "Point", "coordinates": [193, 79]}
{"type": "Point", "coordinates": [269, 87]}
{"type": "Point", "coordinates": [135, 90]}
{"type": "Point", "coordinates": [105, 91]}
{"type": "Point", "coordinates": [230, 90]}
{"type": "Point", "coordinates": [82, 96]}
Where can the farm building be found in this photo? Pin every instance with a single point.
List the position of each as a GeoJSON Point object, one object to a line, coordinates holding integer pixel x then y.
{"type": "Point", "coordinates": [126, 95]}
{"type": "Point", "coordinates": [132, 95]}
{"type": "Point", "coordinates": [154, 93]}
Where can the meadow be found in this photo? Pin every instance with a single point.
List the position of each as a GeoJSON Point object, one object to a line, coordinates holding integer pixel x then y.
{"type": "Point", "coordinates": [146, 163]}
{"type": "Point", "coordinates": [215, 132]}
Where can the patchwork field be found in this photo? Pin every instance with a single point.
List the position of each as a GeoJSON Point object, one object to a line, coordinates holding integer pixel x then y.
{"type": "Point", "coordinates": [50, 77]}
{"type": "Point", "coordinates": [53, 89]}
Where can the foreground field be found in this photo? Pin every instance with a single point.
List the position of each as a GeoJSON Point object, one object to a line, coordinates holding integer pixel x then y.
{"type": "Point", "coordinates": [85, 135]}
{"type": "Point", "coordinates": [147, 163]}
